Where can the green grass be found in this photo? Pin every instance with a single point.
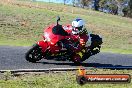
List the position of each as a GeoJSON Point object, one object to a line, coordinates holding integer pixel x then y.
{"type": "Point", "coordinates": [121, 51]}
{"type": "Point", "coordinates": [22, 24]}
{"type": "Point", "coordinates": [59, 80]}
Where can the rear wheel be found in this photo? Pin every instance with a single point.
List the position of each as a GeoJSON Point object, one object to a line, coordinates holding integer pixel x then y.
{"type": "Point", "coordinates": [34, 54]}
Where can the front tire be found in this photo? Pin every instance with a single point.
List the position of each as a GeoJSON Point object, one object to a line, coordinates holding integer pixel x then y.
{"type": "Point", "coordinates": [34, 54]}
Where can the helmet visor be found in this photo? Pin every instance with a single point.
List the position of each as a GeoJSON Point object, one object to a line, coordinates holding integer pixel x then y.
{"type": "Point", "coordinates": [78, 28]}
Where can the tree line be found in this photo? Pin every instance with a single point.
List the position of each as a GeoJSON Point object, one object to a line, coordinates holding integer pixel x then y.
{"type": "Point", "coordinates": [116, 7]}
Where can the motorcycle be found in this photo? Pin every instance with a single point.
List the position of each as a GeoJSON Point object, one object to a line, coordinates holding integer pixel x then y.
{"type": "Point", "coordinates": [59, 42]}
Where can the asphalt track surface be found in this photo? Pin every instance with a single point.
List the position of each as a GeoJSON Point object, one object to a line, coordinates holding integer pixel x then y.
{"type": "Point", "coordinates": [14, 58]}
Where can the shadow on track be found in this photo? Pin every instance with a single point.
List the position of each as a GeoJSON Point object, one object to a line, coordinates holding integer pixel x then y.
{"type": "Point", "coordinates": [95, 65]}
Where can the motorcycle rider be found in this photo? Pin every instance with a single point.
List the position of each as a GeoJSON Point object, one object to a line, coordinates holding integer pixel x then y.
{"type": "Point", "coordinates": [79, 29]}
{"type": "Point", "coordinates": [79, 36]}
{"type": "Point", "coordinates": [84, 38]}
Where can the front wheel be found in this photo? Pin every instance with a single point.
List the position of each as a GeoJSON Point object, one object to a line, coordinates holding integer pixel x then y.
{"type": "Point", "coordinates": [34, 54]}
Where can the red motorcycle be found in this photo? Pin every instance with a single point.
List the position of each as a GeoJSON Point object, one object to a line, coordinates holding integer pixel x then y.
{"type": "Point", "coordinates": [59, 42]}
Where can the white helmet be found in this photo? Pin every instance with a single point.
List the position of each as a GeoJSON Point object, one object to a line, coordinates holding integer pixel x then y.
{"type": "Point", "coordinates": [78, 25]}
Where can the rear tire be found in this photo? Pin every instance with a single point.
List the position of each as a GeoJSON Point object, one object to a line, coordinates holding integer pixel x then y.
{"type": "Point", "coordinates": [34, 54]}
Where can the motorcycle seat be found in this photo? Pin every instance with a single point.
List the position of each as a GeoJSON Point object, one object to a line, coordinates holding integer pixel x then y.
{"type": "Point", "coordinates": [58, 30]}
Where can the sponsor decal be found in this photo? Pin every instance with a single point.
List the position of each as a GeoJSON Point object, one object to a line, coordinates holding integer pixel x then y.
{"type": "Point", "coordinates": [83, 78]}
